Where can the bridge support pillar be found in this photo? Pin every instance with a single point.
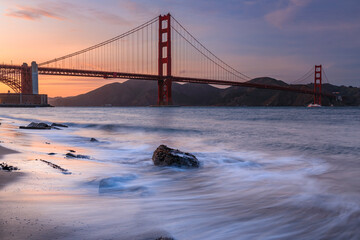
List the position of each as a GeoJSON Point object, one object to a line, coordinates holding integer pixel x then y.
{"type": "Point", "coordinates": [34, 78]}
{"type": "Point", "coordinates": [164, 84]}
{"type": "Point", "coordinates": [317, 84]}
{"type": "Point", "coordinates": [26, 82]}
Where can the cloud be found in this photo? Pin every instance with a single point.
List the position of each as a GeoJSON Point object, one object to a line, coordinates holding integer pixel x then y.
{"type": "Point", "coordinates": [64, 10]}
{"type": "Point", "coordinates": [280, 17]}
{"type": "Point", "coordinates": [108, 17]}
{"type": "Point", "coordinates": [30, 13]}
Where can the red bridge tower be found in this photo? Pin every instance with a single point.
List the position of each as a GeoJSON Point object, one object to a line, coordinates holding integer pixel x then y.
{"type": "Point", "coordinates": [164, 85]}
{"type": "Point", "coordinates": [317, 84]}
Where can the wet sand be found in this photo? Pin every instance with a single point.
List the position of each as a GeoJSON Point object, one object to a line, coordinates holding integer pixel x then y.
{"type": "Point", "coordinates": [7, 177]}
{"type": "Point", "coordinates": [13, 223]}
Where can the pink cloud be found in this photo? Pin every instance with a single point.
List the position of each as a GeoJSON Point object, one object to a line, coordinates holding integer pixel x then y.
{"type": "Point", "coordinates": [29, 13]}
{"type": "Point", "coordinates": [58, 11]}
{"type": "Point", "coordinates": [280, 17]}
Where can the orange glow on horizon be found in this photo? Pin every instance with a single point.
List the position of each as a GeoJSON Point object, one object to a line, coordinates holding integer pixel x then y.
{"type": "Point", "coordinates": [55, 86]}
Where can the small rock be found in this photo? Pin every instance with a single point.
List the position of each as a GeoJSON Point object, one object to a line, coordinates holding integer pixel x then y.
{"type": "Point", "coordinates": [6, 167]}
{"type": "Point", "coordinates": [71, 150]}
{"type": "Point", "coordinates": [122, 185]}
{"type": "Point", "coordinates": [165, 156]}
{"type": "Point", "coordinates": [71, 155]}
{"type": "Point", "coordinates": [35, 125]}
{"type": "Point", "coordinates": [64, 171]}
{"type": "Point", "coordinates": [93, 140]}
{"type": "Point", "coordinates": [51, 154]}
{"type": "Point", "coordinates": [58, 125]}
{"type": "Point", "coordinates": [47, 143]}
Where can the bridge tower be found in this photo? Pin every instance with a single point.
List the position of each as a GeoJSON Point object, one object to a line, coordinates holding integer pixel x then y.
{"type": "Point", "coordinates": [164, 85]}
{"type": "Point", "coordinates": [29, 79]}
{"type": "Point", "coordinates": [26, 81]}
{"type": "Point", "coordinates": [317, 84]}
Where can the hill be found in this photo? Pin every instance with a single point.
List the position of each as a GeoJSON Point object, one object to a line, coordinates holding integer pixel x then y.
{"type": "Point", "coordinates": [144, 93]}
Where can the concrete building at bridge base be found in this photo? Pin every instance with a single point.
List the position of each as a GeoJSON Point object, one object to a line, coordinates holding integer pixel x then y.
{"type": "Point", "coordinates": [23, 100]}
{"type": "Point", "coordinates": [24, 81]}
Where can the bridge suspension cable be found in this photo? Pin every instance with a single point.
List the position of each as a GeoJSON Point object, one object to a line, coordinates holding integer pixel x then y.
{"type": "Point", "coordinates": [193, 59]}
{"type": "Point", "coordinates": [324, 73]}
{"type": "Point", "coordinates": [132, 52]}
{"type": "Point", "coordinates": [136, 51]}
{"type": "Point", "coordinates": [309, 75]}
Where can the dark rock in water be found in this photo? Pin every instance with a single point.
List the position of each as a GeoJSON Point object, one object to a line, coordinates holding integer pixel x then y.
{"type": "Point", "coordinates": [6, 167]}
{"type": "Point", "coordinates": [122, 185]}
{"type": "Point", "coordinates": [63, 171]}
{"type": "Point", "coordinates": [152, 235]}
{"type": "Point", "coordinates": [58, 125]}
{"type": "Point", "coordinates": [51, 154]}
{"type": "Point", "coordinates": [93, 140]}
{"type": "Point", "coordinates": [71, 150]}
{"type": "Point", "coordinates": [47, 143]}
{"type": "Point", "coordinates": [165, 156]}
{"type": "Point", "coordinates": [35, 125]}
{"type": "Point", "coordinates": [71, 155]}
{"type": "Point", "coordinates": [115, 181]}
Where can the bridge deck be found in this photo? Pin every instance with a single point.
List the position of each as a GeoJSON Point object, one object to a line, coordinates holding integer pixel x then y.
{"type": "Point", "coordinates": [135, 76]}
{"type": "Point", "coordinates": [121, 75]}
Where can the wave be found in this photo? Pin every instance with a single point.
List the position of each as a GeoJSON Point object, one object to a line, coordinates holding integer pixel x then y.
{"type": "Point", "coordinates": [138, 128]}
{"type": "Point", "coordinates": [109, 127]}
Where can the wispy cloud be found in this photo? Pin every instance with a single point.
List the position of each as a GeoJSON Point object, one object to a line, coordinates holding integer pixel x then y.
{"type": "Point", "coordinates": [107, 17]}
{"type": "Point", "coordinates": [31, 13]}
{"type": "Point", "coordinates": [62, 10]}
{"type": "Point", "coordinates": [280, 17]}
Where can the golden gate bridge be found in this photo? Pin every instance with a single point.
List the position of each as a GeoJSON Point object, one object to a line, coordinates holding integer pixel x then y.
{"type": "Point", "coordinates": [159, 50]}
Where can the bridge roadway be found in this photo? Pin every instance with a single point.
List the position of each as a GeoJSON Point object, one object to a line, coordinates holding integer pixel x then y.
{"type": "Point", "coordinates": [135, 76]}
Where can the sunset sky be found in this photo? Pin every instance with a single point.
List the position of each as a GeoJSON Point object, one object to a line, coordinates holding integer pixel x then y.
{"type": "Point", "coordinates": [276, 38]}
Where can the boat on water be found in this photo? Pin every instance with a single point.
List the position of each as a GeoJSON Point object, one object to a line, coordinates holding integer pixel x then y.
{"type": "Point", "coordinates": [314, 105]}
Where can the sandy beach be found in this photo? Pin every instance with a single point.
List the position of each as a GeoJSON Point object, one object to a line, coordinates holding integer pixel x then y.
{"type": "Point", "coordinates": [14, 222]}
{"type": "Point", "coordinates": [36, 205]}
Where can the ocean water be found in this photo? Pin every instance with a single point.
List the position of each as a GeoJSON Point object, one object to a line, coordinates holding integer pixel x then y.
{"type": "Point", "coordinates": [266, 173]}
